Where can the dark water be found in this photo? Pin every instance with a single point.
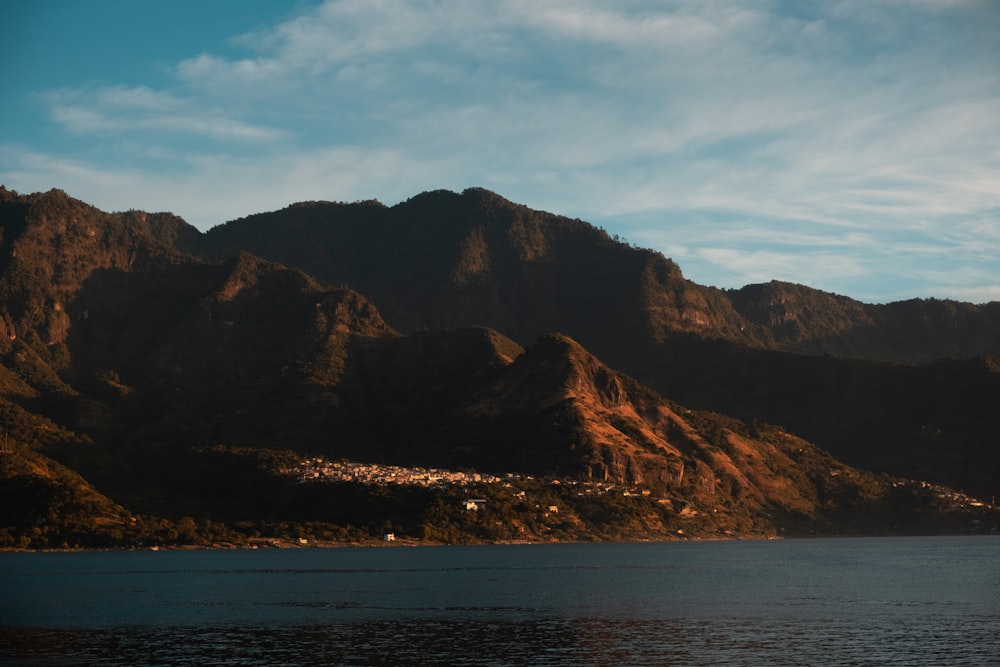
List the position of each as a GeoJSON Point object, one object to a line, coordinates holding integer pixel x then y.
{"type": "Point", "coordinates": [893, 601]}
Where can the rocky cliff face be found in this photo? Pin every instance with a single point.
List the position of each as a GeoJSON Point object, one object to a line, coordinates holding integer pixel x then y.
{"type": "Point", "coordinates": [559, 406]}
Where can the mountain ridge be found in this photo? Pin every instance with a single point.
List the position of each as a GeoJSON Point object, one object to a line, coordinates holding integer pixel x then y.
{"type": "Point", "coordinates": [179, 374]}
{"type": "Point", "coordinates": [483, 231]}
{"type": "Point", "coordinates": [526, 273]}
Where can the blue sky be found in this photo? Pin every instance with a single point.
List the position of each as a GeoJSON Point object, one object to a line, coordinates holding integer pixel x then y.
{"type": "Point", "coordinates": [852, 145]}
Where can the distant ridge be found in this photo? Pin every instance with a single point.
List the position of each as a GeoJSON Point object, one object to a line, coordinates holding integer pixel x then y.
{"type": "Point", "coordinates": [451, 252]}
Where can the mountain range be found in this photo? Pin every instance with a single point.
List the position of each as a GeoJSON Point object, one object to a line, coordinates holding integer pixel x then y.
{"type": "Point", "coordinates": [159, 384]}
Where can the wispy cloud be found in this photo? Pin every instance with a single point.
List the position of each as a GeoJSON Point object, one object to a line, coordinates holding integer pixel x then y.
{"type": "Point", "coordinates": [322, 173]}
{"type": "Point", "coordinates": [120, 109]}
{"type": "Point", "coordinates": [821, 143]}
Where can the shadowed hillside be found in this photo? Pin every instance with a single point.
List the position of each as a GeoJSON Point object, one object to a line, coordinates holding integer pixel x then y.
{"type": "Point", "coordinates": [161, 397]}
{"type": "Point", "coordinates": [443, 259]}
{"type": "Point", "coordinates": [474, 259]}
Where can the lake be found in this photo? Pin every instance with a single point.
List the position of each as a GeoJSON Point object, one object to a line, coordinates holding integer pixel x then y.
{"type": "Point", "coordinates": [865, 601]}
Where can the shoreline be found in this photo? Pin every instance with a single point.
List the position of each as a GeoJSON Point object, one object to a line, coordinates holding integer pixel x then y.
{"type": "Point", "coordinates": [286, 545]}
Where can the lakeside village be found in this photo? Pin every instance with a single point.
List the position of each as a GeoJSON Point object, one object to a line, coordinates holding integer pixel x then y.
{"type": "Point", "coordinates": [319, 469]}
{"type": "Point", "coordinates": [547, 495]}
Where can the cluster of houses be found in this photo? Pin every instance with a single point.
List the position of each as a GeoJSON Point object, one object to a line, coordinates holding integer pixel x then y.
{"type": "Point", "coordinates": [954, 500]}
{"type": "Point", "coordinates": [319, 469]}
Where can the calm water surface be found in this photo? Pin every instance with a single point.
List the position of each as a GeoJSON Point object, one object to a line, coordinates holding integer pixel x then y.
{"type": "Point", "coordinates": [891, 601]}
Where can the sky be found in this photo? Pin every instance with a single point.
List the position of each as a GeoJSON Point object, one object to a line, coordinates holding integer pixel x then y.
{"type": "Point", "coordinates": [849, 145]}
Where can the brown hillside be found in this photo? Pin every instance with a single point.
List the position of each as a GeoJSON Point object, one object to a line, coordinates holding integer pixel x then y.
{"type": "Point", "coordinates": [182, 386]}
{"type": "Point", "coordinates": [51, 243]}
{"type": "Point", "coordinates": [475, 259]}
